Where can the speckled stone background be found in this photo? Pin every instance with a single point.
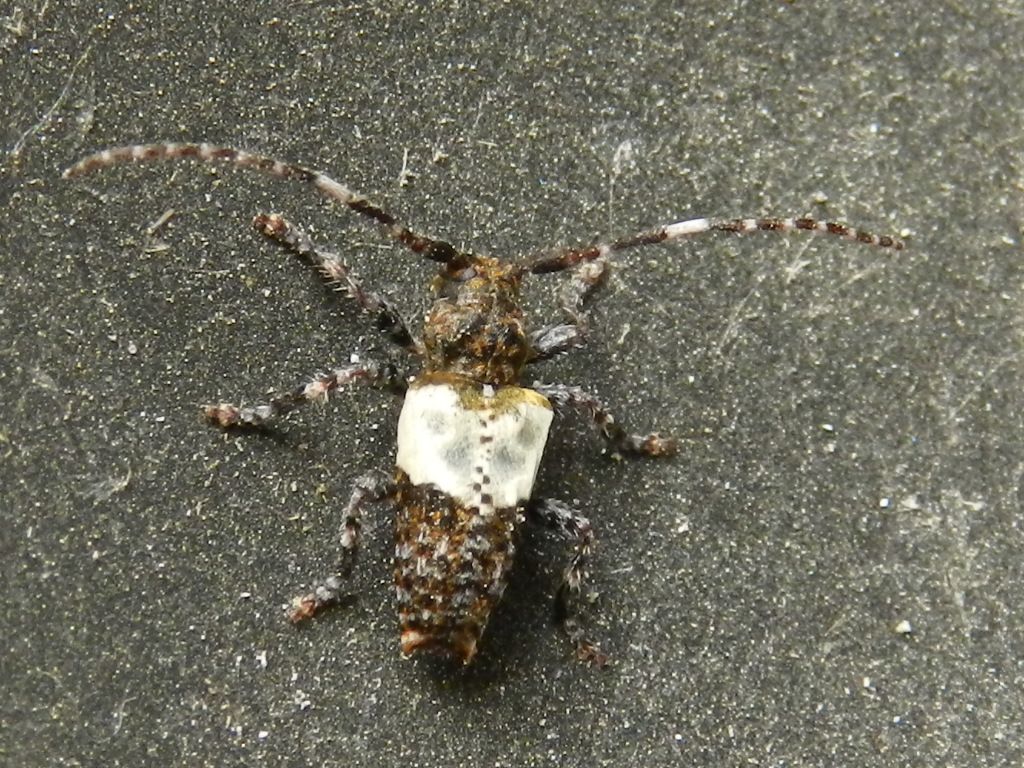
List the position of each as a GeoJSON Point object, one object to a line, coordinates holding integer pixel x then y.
{"type": "Point", "coordinates": [853, 458]}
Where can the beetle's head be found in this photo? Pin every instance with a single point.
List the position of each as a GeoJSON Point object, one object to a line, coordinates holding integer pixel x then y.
{"type": "Point", "coordinates": [475, 328]}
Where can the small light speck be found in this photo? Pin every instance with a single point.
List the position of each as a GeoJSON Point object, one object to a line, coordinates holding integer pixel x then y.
{"type": "Point", "coordinates": [262, 735]}
{"type": "Point", "coordinates": [625, 332]}
{"type": "Point", "coordinates": [828, 427]}
{"type": "Point", "coordinates": [885, 502]}
{"type": "Point", "coordinates": [903, 627]}
{"type": "Point", "coordinates": [132, 349]}
{"type": "Point", "coordinates": [623, 158]}
{"type": "Point", "coordinates": [910, 503]}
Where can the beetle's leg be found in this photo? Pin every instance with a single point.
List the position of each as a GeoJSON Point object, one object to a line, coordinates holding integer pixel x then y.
{"type": "Point", "coordinates": [374, 486]}
{"type": "Point", "coordinates": [570, 596]}
{"type": "Point", "coordinates": [617, 438]}
{"type": "Point", "coordinates": [562, 337]}
{"type": "Point", "coordinates": [318, 390]}
{"type": "Point", "coordinates": [339, 276]}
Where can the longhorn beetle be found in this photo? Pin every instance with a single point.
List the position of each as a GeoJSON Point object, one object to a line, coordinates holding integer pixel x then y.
{"type": "Point", "coordinates": [470, 437]}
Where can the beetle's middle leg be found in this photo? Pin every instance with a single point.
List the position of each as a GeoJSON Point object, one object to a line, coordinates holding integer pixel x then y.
{"type": "Point", "coordinates": [374, 486]}
{"type": "Point", "coordinates": [618, 439]}
{"type": "Point", "coordinates": [226, 415]}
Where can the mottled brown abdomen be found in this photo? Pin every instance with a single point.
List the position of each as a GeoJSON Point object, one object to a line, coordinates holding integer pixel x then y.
{"type": "Point", "coordinates": [451, 568]}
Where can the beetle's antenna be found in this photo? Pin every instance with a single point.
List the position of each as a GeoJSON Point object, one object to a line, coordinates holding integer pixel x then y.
{"type": "Point", "coordinates": [570, 258]}
{"type": "Point", "coordinates": [435, 250]}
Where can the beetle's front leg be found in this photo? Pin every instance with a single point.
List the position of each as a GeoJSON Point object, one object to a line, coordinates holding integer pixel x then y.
{"type": "Point", "coordinates": [338, 275]}
{"type": "Point", "coordinates": [557, 339]}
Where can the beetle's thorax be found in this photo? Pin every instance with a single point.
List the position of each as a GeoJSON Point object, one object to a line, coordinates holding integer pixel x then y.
{"type": "Point", "coordinates": [477, 329]}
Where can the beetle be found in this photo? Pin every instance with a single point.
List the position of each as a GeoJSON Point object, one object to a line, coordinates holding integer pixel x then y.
{"type": "Point", "coordinates": [470, 435]}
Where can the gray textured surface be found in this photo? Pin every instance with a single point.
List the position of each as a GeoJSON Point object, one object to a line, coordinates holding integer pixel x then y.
{"type": "Point", "coordinates": [749, 590]}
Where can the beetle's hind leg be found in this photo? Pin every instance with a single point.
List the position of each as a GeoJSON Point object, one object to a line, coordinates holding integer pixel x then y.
{"type": "Point", "coordinates": [374, 486]}
{"type": "Point", "coordinates": [570, 596]}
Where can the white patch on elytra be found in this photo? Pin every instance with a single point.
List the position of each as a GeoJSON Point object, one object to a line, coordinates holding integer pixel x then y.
{"type": "Point", "coordinates": [483, 457]}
